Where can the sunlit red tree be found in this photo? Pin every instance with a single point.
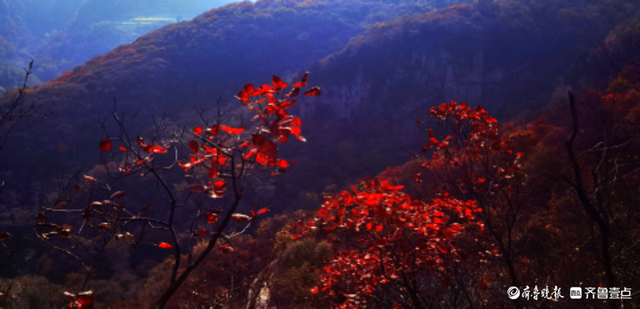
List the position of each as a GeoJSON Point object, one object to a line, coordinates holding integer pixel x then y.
{"type": "Point", "coordinates": [220, 159]}
{"type": "Point", "coordinates": [391, 246]}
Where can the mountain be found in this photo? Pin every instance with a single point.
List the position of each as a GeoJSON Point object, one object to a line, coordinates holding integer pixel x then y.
{"type": "Point", "coordinates": [61, 34]}
{"type": "Point", "coordinates": [380, 65]}
{"type": "Point", "coordinates": [512, 59]}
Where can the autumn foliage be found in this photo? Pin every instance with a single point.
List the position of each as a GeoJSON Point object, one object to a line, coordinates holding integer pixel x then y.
{"type": "Point", "coordinates": [398, 238]}
{"type": "Point", "coordinates": [219, 157]}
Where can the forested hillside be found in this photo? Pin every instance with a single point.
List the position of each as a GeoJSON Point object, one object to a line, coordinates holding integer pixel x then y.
{"type": "Point", "coordinates": [500, 138]}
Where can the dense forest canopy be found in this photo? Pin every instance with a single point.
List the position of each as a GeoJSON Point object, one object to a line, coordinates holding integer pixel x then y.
{"type": "Point", "coordinates": [499, 137]}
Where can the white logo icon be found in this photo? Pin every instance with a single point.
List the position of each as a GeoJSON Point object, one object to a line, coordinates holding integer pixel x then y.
{"type": "Point", "coordinates": [575, 292]}
{"type": "Point", "coordinates": [513, 292]}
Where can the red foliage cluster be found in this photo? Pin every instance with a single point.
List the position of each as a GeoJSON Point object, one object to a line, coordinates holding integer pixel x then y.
{"type": "Point", "coordinates": [475, 139]}
{"type": "Point", "coordinates": [219, 157]}
{"type": "Point", "coordinates": [397, 236]}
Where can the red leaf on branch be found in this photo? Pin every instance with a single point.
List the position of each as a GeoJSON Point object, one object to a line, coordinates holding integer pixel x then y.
{"type": "Point", "coordinates": [315, 91]}
{"type": "Point", "coordinates": [215, 130]}
{"type": "Point", "coordinates": [249, 89]}
{"type": "Point", "coordinates": [197, 130]}
{"type": "Point", "coordinates": [145, 210]}
{"type": "Point", "coordinates": [159, 149]}
{"type": "Point", "coordinates": [211, 217]}
{"type": "Point", "coordinates": [118, 194]}
{"type": "Point", "coordinates": [194, 146]}
{"type": "Point", "coordinates": [165, 245]}
{"type": "Point", "coordinates": [231, 130]}
{"type": "Point", "coordinates": [220, 185]}
{"type": "Point", "coordinates": [144, 146]}
{"type": "Point", "coordinates": [89, 178]}
{"type": "Point", "coordinates": [213, 171]}
{"type": "Point", "coordinates": [277, 82]}
{"type": "Point", "coordinates": [202, 233]}
{"type": "Point", "coordinates": [267, 152]}
{"type": "Point", "coordinates": [294, 93]}
{"type": "Point", "coordinates": [105, 145]}
{"type": "Point", "coordinates": [240, 217]}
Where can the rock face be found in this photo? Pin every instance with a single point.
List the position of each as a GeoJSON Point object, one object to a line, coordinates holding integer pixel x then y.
{"type": "Point", "coordinates": [402, 69]}
{"type": "Point", "coordinates": [508, 58]}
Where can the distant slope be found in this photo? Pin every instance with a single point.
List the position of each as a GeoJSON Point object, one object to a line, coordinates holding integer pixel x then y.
{"type": "Point", "coordinates": [513, 58]}
{"type": "Point", "coordinates": [507, 56]}
{"type": "Point", "coordinates": [192, 62]}
{"type": "Point", "coordinates": [380, 66]}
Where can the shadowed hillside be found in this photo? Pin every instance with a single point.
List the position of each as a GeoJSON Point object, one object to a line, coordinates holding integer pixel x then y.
{"type": "Point", "coordinates": [376, 75]}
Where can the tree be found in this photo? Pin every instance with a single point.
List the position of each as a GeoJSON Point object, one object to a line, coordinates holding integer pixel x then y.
{"type": "Point", "coordinates": [470, 173]}
{"type": "Point", "coordinates": [391, 246]}
{"type": "Point", "coordinates": [221, 161]}
{"type": "Point", "coordinates": [603, 168]}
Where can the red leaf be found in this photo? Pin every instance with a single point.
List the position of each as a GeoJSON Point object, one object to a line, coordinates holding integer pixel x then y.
{"type": "Point", "coordinates": [294, 92]}
{"type": "Point", "coordinates": [231, 130]}
{"type": "Point", "coordinates": [250, 153]}
{"type": "Point", "coordinates": [105, 145]}
{"type": "Point", "coordinates": [215, 130]}
{"type": "Point", "coordinates": [240, 217]}
{"type": "Point", "coordinates": [122, 148]}
{"type": "Point", "coordinates": [282, 163]}
{"type": "Point", "coordinates": [104, 226]}
{"type": "Point", "coordinates": [219, 185]}
{"type": "Point", "coordinates": [277, 82]}
{"type": "Point", "coordinates": [164, 245]}
{"type": "Point", "coordinates": [85, 298]}
{"type": "Point", "coordinates": [267, 152]}
{"type": "Point", "coordinates": [89, 178]}
{"type": "Point", "coordinates": [296, 122]}
{"type": "Point", "coordinates": [194, 146]}
{"type": "Point", "coordinates": [197, 130]}
{"type": "Point", "coordinates": [159, 149]}
{"type": "Point", "coordinates": [315, 91]}
{"type": "Point", "coordinates": [118, 194]}
{"type": "Point", "coordinates": [145, 210]}
{"type": "Point", "coordinates": [213, 171]}
{"type": "Point", "coordinates": [314, 290]}
{"type": "Point", "coordinates": [243, 96]}
{"type": "Point", "coordinates": [249, 89]}
{"type": "Point", "coordinates": [211, 217]}
{"type": "Point", "coordinates": [143, 145]}
{"type": "Point", "coordinates": [258, 139]}
{"type": "Point", "coordinates": [304, 77]}
{"type": "Point", "coordinates": [202, 233]}
{"type": "Point", "coordinates": [263, 210]}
